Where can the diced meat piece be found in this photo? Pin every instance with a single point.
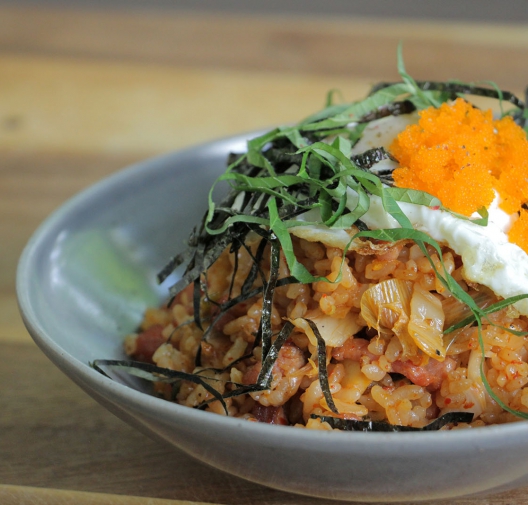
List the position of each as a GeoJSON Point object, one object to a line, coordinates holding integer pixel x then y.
{"type": "Point", "coordinates": [147, 343]}
{"type": "Point", "coordinates": [429, 376]}
{"type": "Point", "coordinates": [290, 358]}
{"type": "Point", "coordinates": [270, 415]}
{"type": "Point", "coordinates": [353, 349]}
{"type": "Point", "coordinates": [251, 374]}
{"type": "Point", "coordinates": [224, 319]}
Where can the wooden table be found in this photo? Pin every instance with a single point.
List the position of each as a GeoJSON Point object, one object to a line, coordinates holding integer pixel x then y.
{"type": "Point", "coordinates": [84, 93]}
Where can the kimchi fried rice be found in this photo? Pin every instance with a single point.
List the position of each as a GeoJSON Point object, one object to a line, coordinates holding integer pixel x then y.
{"type": "Point", "coordinates": [368, 270]}
{"type": "Point", "coordinates": [369, 373]}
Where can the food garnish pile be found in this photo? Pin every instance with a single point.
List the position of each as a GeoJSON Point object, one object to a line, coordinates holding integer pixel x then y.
{"type": "Point", "coordinates": [368, 270]}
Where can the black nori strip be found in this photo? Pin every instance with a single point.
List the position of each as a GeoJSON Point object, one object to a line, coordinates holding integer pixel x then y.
{"type": "Point", "coordinates": [321, 361]}
{"type": "Point", "coordinates": [197, 299]}
{"type": "Point", "coordinates": [157, 374]}
{"type": "Point", "coordinates": [262, 209]}
{"type": "Point", "coordinates": [185, 323]}
{"type": "Point", "coordinates": [172, 264]}
{"type": "Point", "coordinates": [391, 109]}
{"type": "Point", "coordinates": [353, 425]}
{"type": "Point", "coordinates": [235, 246]}
{"type": "Point", "coordinates": [361, 226]}
{"type": "Point", "coordinates": [256, 204]}
{"type": "Point", "coordinates": [179, 259]}
{"type": "Point", "coordinates": [267, 298]}
{"type": "Point", "coordinates": [255, 267]}
{"type": "Point", "coordinates": [205, 291]}
{"type": "Point", "coordinates": [242, 298]}
{"type": "Point", "coordinates": [207, 250]}
{"type": "Point", "coordinates": [388, 181]}
{"type": "Point", "coordinates": [243, 389]}
{"type": "Point", "coordinates": [198, 357]}
{"type": "Point", "coordinates": [265, 375]}
{"type": "Point", "coordinates": [368, 159]}
{"type": "Point", "coordinates": [193, 270]}
{"type": "Point", "coordinates": [203, 248]}
{"type": "Point", "coordinates": [236, 361]}
{"type": "Point", "coordinates": [283, 158]}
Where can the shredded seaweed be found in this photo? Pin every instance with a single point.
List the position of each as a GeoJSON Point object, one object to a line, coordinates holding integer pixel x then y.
{"type": "Point", "coordinates": [265, 332]}
{"type": "Point", "coordinates": [390, 109]}
{"type": "Point", "coordinates": [197, 302]}
{"type": "Point", "coordinates": [353, 425]}
{"type": "Point", "coordinates": [270, 357]}
{"type": "Point", "coordinates": [255, 267]}
{"type": "Point", "coordinates": [369, 158]}
{"type": "Point", "coordinates": [321, 362]}
{"type": "Point", "coordinates": [155, 373]}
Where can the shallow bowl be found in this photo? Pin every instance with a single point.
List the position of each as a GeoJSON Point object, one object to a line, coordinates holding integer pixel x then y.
{"type": "Point", "coordinates": [87, 275]}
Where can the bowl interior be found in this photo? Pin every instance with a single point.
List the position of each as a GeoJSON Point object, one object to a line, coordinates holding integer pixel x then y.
{"type": "Point", "coordinates": [89, 272]}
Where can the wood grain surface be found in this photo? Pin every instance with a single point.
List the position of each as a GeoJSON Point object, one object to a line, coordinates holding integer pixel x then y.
{"type": "Point", "coordinates": [22, 495]}
{"type": "Point", "coordinates": [85, 93]}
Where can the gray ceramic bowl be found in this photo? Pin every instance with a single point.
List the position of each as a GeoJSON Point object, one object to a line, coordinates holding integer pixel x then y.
{"type": "Point", "coordinates": [89, 272]}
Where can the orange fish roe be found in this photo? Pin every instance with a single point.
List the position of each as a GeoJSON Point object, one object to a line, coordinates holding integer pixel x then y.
{"type": "Point", "coordinates": [519, 231]}
{"type": "Point", "coordinates": [460, 154]}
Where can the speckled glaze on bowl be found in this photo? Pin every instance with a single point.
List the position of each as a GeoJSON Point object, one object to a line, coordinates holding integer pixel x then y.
{"type": "Point", "coordinates": [88, 273]}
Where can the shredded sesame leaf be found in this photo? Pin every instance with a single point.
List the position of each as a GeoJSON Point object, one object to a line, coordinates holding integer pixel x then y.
{"type": "Point", "coordinates": [407, 195]}
{"type": "Point", "coordinates": [502, 304]}
{"type": "Point", "coordinates": [336, 116]}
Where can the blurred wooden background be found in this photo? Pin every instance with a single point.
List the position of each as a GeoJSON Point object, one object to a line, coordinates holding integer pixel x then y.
{"type": "Point", "coordinates": [474, 11]}
{"type": "Point", "coordinates": [89, 87]}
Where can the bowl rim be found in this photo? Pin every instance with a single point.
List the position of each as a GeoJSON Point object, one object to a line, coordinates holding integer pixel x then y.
{"type": "Point", "coordinates": [76, 369]}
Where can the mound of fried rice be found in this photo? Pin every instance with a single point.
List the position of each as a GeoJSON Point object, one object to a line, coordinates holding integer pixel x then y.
{"type": "Point", "coordinates": [373, 372]}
